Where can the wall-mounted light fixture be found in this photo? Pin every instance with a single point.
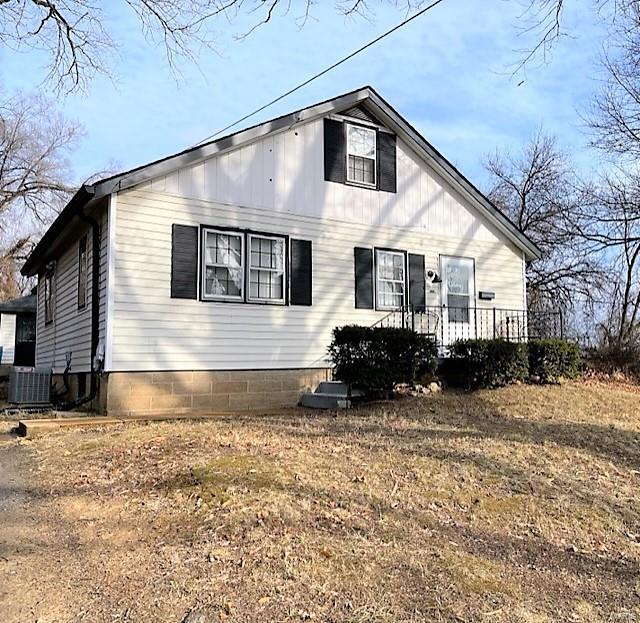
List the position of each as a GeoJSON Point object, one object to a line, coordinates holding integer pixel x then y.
{"type": "Point", "coordinates": [433, 276]}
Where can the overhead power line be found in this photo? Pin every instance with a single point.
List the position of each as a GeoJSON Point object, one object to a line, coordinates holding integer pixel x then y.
{"type": "Point", "coordinates": [325, 71]}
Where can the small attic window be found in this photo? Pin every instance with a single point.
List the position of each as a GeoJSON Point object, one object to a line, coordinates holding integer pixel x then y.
{"type": "Point", "coordinates": [361, 155]}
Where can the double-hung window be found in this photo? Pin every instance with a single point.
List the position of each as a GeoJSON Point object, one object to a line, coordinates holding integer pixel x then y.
{"type": "Point", "coordinates": [48, 297]}
{"type": "Point", "coordinates": [361, 155]}
{"type": "Point", "coordinates": [82, 272]}
{"type": "Point", "coordinates": [227, 256]}
{"type": "Point", "coordinates": [390, 279]}
{"type": "Point", "coordinates": [266, 269]}
{"type": "Point", "coordinates": [223, 267]}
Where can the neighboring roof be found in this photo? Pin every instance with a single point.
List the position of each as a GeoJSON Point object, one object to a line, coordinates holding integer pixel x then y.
{"type": "Point", "coordinates": [22, 305]}
{"type": "Point", "coordinates": [366, 96]}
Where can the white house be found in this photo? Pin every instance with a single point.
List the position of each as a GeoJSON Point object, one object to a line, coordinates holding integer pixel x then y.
{"type": "Point", "coordinates": [212, 279]}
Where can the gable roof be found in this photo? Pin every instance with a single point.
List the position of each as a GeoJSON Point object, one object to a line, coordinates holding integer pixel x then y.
{"type": "Point", "coordinates": [365, 99]}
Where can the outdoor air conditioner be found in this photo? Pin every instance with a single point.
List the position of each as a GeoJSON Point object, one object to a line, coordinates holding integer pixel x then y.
{"type": "Point", "coordinates": [30, 386]}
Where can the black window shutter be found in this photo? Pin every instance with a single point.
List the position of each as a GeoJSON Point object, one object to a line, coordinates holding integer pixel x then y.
{"type": "Point", "coordinates": [184, 262]}
{"type": "Point", "coordinates": [334, 151]}
{"type": "Point", "coordinates": [387, 162]}
{"type": "Point", "coordinates": [416, 282]}
{"type": "Point", "coordinates": [364, 278]}
{"type": "Point", "coordinates": [301, 280]}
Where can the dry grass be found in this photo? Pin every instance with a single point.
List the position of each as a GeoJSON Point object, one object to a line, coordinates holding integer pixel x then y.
{"type": "Point", "coordinates": [515, 505]}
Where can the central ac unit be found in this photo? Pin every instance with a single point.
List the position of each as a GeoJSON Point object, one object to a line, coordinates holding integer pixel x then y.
{"type": "Point", "coordinates": [30, 386]}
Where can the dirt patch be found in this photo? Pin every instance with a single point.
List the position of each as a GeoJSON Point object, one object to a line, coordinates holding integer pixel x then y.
{"type": "Point", "coordinates": [515, 505]}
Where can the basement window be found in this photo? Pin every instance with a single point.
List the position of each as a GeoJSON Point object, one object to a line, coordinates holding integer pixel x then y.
{"type": "Point", "coordinates": [361, 155]}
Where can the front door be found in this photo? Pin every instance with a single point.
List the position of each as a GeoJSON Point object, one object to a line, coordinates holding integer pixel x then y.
{"type": "Point", "coordinates": [458, 297]}
{"type": "Point", "coordinates": [25, 354]}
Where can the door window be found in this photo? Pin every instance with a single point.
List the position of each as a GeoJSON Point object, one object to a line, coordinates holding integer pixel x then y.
{"type": "Point", "coordinates": [458, 288]}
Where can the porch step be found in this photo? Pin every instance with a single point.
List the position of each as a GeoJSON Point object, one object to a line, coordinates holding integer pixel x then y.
{"type": "Point", "coordinates": [314, 400]}
{"type": "Point", "coordinates": [337, 388]}
{"type": "Point", "coordinates": [330, 395]}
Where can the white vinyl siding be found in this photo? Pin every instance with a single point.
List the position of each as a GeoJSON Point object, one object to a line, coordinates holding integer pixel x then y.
{"type": "Point", "coordinates": [153, 332]}
{"type": "Point", "coordinates": [7, 337]}
{"type": "Point", "coordinates": [70, 330]}
{"type": "Point", "coordinates": [285, 173]}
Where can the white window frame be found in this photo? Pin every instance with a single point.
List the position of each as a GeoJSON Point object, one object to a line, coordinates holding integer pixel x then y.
{"type": "Point", "coordinates": [280, 301]}
{"type": "Point", "coordinates": [403, 255]}
{"type": "Point", "coordinates": [375, 156]}
{"type": "Point", "coordinates": [203, 265]}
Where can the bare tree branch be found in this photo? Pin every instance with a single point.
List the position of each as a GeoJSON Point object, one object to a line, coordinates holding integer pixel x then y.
{"type": "Point", "coordinates": [35, 142]}
{"type": "Point", "coordinates": [75, 34]}
{"type": "Point", "coordinates": [537, 190]}
{"type": "Point", "coordinates": [543, 21]}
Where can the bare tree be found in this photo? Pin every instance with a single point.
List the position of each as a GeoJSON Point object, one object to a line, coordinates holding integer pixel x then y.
{"type": "Point", "coordinates": [615, 119]}
{"type": "Point", "coordinates": [75, 34]}
{"type": "Point", "coordinates": [543, 21]}
{"type": "Point", "coordinates": [35, 142]}
{"type": "Point", "coordinates": [608, 219]}
{"type": "Point", "coordinates": [536, 189]}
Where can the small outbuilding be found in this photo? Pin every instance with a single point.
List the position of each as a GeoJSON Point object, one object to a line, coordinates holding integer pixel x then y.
{"type": "Point", "coordinates": [18, 331]}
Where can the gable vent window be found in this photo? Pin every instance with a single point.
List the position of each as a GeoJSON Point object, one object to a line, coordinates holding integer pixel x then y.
{"type": "Point", "coordinates": [361, 155]}
{"type": "Point", "coordinates": [223, 274]}
{"type": "Point", "coordinates": [390, 278]}
{"type": "Point", "coordinates": [266, 268]}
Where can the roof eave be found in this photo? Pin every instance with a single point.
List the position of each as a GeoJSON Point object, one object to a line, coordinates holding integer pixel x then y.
{"type": "Point", "coordinates": [80, 199]}
{"type": "Point", "coordinates": [445, 168]}
{"type": "Point", "coordinates": [195, 155]}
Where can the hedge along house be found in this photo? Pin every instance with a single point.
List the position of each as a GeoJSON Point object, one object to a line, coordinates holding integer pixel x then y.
{"type": "Point", "coordinates": [212, 279]}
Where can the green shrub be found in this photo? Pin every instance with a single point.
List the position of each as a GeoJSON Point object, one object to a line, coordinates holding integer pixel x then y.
{"type": "Point", "coordinates": [551, 360]}
{"type": "Point", "coordinates": [492, 363]}
{"type": "Point", "coordinates": [376, 359]}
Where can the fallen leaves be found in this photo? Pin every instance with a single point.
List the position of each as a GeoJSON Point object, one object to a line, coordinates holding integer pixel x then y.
{"type": "Point", "coordinates": [490, 505]}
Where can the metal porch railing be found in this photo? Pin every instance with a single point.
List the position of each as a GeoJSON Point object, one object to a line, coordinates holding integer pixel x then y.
{"type": "Point", "coordinates": [448, 324]}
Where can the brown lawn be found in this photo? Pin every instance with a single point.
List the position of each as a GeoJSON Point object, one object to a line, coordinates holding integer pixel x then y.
{"type": "Point", "coordinates": [520, 504]}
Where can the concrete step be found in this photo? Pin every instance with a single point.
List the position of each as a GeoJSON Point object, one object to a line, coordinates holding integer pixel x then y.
{"type": "Point", "coordinates": [338, 388]}
{"type": "Point", "coordinates": [318, 400]}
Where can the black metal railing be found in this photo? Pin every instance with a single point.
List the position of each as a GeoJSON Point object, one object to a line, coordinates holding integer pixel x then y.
{"type": "Point", "coordinates": [448, 324]}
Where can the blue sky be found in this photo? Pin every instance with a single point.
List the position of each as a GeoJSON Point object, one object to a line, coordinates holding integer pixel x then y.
{"type": "Point", "coordinates": [448, 73]}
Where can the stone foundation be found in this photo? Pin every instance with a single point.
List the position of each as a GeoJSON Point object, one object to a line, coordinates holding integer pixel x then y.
{"type": "Point", "coordinates": [139, 393]}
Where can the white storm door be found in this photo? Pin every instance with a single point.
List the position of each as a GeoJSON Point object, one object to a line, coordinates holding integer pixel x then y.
{"type": "Point", "coordinates": [458, 298]}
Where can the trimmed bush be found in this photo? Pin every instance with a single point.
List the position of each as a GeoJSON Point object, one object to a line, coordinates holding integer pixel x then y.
{"type": "Point", "coordinates": [376, 359]}
{"type": "Point", "coordinates": [551, 360]}
{"type": "Point", "coordinates": [492, 363]}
